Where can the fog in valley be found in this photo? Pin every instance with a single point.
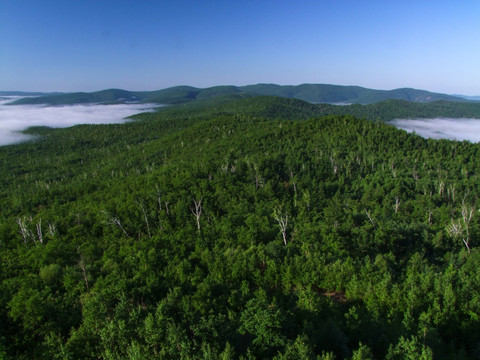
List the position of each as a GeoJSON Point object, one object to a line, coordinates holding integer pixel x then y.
{"type": "Point", "coordinates": [441, 128]}
{"type": "Point", "coordinates": [16, 118]}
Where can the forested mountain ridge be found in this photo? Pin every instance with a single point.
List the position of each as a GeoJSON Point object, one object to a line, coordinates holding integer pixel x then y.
{"type": "Point", "coordinates": [325, 93]}
{"type": "Point", "coordinates": [315, 93]}
{"type": "Point", "coordinates": [281, 108]}
{"type": "Point", "coordinates": [234, 230]}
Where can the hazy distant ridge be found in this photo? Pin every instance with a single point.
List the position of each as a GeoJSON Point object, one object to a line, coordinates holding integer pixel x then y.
{"type": "Point", "coordinates": [474, 98]}
{"type": "Point", "coordinates": [314, 93]}
{"type": "Point", "coordinates": [22, 93]}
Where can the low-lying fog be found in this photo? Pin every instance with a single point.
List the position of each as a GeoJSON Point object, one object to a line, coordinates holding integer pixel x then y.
{"type": "Point", "coordinates": [454, 129]}
{"type": "Point", "coordinates": [16, 118]}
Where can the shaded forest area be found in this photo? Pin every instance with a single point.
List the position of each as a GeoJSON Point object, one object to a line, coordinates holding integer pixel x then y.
{"type": "Point", "coordinates": [239, 230]}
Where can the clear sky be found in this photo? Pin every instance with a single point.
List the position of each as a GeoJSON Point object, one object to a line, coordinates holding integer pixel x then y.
{"type": "Point", "coordinates": [63, 45]}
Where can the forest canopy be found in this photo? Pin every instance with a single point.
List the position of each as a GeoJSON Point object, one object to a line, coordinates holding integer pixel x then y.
{"type": "Point", "coordinates": [253, 227]}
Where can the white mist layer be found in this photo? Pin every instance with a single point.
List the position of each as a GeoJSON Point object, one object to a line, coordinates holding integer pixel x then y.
{"type": "Point", "coordinates": [441, 128]}
{"type": "Point", "coordinates": [16, 118]}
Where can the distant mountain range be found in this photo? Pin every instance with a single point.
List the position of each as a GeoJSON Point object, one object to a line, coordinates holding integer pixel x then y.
{"type": "Point", "coordinates": [313, 93]}
{"type": "Point", "coordinates": [473, 98]}
{"type": "Point", "coordinates": [23, 93]}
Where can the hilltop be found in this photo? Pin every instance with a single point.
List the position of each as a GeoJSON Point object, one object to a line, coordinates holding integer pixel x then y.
{"type": "Point", "coordinates": [237, 228]}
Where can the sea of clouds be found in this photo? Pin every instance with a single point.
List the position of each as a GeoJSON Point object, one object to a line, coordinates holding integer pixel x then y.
{"type": "Point", "coordinates": [16, 118]}
{"type": "Point", "coordinates": [442, 128]}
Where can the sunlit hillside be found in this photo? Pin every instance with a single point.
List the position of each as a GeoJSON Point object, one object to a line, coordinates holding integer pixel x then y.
{"type": "Point", "coordinates": [240, 229]}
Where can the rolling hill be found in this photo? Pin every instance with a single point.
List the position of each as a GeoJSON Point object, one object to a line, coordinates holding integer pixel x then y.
{"type": "Point", "coordinates": [240, 228]}
{"type": "Point", "coordinates": [294, 109]}
{"type": "Point", "coordinates": [314, 93]}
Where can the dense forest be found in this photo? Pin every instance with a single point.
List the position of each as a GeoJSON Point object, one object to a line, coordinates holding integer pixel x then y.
{"type": "Point", "coordinates": [293, 109]}
{"type": "Point", "coordinates": [253, 228]}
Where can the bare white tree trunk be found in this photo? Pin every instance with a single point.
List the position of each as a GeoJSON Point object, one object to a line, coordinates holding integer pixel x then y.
{"type": "Point", "coordinates": [119, 224]}
{"type": "Point", "coordinates": [52, 229]}
{"type": "Point", "coordinates": [258, 177]}
{"type": "Point", "coordinates": [282, 220]}
{"type": "Point", "coordinates": [451, 192]}
{"type": "Point", "coordinates": [369, 217]}
{"type": "Point", "coordinates": [81, 263]}
{"type": "Point", "coordinates": [456, 230]}
{"type": "Point", "coordinates": [440, 188]}
{"type": "Point", "coordinates": [467, 214]}
{"type": "Point", "coordinates": [25, 231]}
{"type": "Point", "coordinates": [197, 211]}
{"type": "Point", "coordinates": [392, 167]}
{"type": "Point", "coordinates": [397, 204]}
{"type": "Point", "coordinates": [145, 218]}
{"type": "Point", "coordinates": [113, 220]}
{"type": "Point", "coordinates": [39, 232]}
{"type": "Point", "coordinates": [460, 228]}
{"type": "Point", "coordinates": [334, 164]}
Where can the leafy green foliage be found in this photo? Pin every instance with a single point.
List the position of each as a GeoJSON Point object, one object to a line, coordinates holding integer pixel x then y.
{"type": "Point", "coordinates": [104, 253]}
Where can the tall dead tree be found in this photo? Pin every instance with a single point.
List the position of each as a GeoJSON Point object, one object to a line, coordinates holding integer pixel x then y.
{"type": "Point", "coordinates": [456, 230]}
{"type": "Point", "coordinates": [52, 228]}
{"type": "Point", "coordinates": [113, 220]}
{"type": "Point", "coordinates": [259, 182]}
{"type": "Point", "coordinates": [282, 220]}
{"type": "Point", "coordinates": [81, 263]}
{"type": "Point", "coordinates": [159, 201]}
{"type": "Point", "coordinates": [451, 192]}
{"type": "Point", "coordinates": [145, 218]}
{"type": "Point", "coordinates": [292, 180]}
{"type": "Point", "coordinates": [397, 204]}
{"type": "Point", "coordinates": [27, 233]}
{"type": "Point", "coordinates": [334, 164]}
{"type": "Point", "coordinates": [39, 231]}
{"type": "Point", "coordinates": [460, 228]}
{"type": "Point", "coordinates": [197, 211]}
{"type": "Point", "coordinates": [369, 216]}
{"type": "Point", "coordinates": [467, 214]}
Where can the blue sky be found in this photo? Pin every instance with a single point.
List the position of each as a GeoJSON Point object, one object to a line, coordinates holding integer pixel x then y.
{"type": "Point", "coordinates": [148, 44]}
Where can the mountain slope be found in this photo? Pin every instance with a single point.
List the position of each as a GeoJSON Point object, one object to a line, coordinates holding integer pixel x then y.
{"type": "Point", "coordinates": [234, 229]}
{"type": "Point", "coordinates": [324, 93]}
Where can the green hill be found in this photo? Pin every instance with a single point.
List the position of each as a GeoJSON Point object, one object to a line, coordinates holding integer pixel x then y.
{"type": "Point", "coordinates": [240, 227]}
{"type": "Point", "coordinates": [294, 109]}
{"type": "Point", "coordinates": [324, 93]}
